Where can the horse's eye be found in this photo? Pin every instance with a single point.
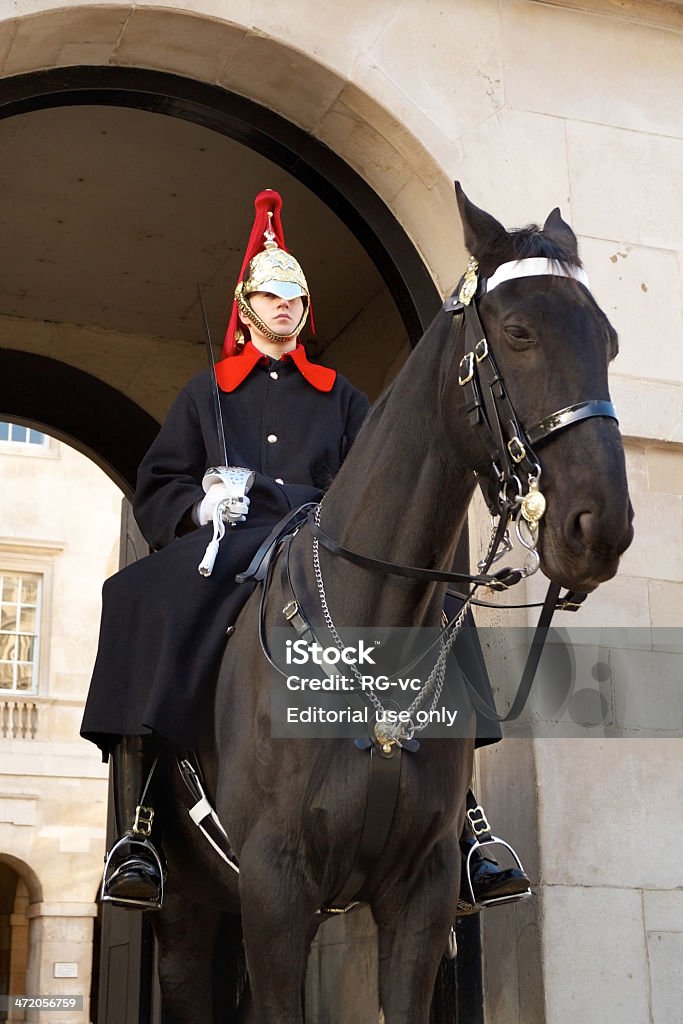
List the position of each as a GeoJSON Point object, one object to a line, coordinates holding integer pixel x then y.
{"type": "Point", "coordinates": [518, 335]}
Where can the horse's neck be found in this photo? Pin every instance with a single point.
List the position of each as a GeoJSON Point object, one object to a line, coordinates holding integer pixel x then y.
{"type": "Point", "coordinates": [403, 493]}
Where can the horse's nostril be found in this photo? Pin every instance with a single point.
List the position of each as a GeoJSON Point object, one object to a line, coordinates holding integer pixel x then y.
{"type": "Point", "coordinates": [585, 526]}
{"type": "Point", "coordinates": [596, 531]}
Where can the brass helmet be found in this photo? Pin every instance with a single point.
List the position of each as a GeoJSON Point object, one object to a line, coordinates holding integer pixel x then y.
{"type": "Point", "coordinates": [267, 267]}
{"type": "Point", "coordinates": [275, 271]}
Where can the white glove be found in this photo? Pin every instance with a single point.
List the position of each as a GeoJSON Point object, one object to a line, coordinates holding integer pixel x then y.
{"type": "Point", "coordinates": [234, 511]}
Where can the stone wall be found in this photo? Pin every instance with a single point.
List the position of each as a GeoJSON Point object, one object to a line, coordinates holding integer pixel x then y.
{"type": "Point", "coordinates": [60, 516]}
{"type": "Point", "coordinates": [531, 105]}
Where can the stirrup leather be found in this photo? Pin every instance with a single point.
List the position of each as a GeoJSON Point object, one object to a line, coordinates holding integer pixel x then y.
{"type": "Point", "coordinates": [133, 839]}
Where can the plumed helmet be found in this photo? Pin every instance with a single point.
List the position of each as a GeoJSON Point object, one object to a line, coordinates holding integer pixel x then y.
{"type": "Point", "coordinates": [267, 267]}
{"type": "Point", "coordinates": [275, 271]}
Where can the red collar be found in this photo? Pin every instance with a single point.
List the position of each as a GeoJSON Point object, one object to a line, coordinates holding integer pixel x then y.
{"type": "Point", "coordinates": [232, 371]}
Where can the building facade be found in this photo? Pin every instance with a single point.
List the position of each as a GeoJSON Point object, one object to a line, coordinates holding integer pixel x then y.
{"type": "Point", "coordinates": [59, 538]}
{"type": "Point", "coordinates": [133, 138]}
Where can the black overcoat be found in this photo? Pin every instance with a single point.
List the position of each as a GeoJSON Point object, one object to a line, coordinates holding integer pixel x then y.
{"type": "Point", "coordinates": [163, 627]}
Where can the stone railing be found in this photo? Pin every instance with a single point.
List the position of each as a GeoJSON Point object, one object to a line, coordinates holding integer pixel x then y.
{"type": "Point", "coordinates": [18, 719]}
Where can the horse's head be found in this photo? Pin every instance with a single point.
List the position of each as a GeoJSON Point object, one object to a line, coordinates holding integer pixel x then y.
{"type": "Point", "coordinates": [552, 345]}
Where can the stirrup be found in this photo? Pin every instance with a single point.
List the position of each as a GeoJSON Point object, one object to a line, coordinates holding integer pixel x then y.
{"type": "Point", "coordinates": [149, 850]}
{"type": "Point", "coordinates": [471, 905]}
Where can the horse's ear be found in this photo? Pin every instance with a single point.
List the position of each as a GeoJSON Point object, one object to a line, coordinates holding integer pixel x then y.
{"type": "Point", "coordinates": [559, 231]}
{"type": "Point", "coordinates": [483, 233]}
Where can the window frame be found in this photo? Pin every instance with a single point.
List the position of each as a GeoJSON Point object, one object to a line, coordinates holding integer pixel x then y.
{"type": "Point", "coordinates": [37, 559]}
{"type": "Point", "coordinates": [48, 449]}
{"type": "Point", "coordinates": [36, 633]}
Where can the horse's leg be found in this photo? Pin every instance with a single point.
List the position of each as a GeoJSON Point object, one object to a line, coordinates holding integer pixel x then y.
{"type": "Point", "coordinates": [278, 924]}
{"type": "Point", "coordinates": [413, 927]}
{"type": "Point", "coordinates": [186, 935]}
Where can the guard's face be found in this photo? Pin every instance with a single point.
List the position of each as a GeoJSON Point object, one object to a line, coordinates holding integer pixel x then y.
{"type": "Point", "coordinates": [281, 316]}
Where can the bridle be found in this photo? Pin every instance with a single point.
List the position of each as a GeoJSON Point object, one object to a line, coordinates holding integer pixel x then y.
{"type": "Point", "coordinates": [512, 489]}
{"type": "Point", "coordinates": [512, 492]}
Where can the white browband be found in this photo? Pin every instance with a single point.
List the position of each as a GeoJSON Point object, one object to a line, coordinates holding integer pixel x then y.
{"type": "Point", "coordinates": [534, 267]}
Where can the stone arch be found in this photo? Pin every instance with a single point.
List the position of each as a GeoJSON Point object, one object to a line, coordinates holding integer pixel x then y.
{"type": "Point", "coordinates": [320, 170]}
{"type": "Point", "coordinates": [26, 874]}
{"type": "Point", "coordinates": [95, 418]}
{"type": "Point", "coordinates": [309, 81]}
{"type": "Point", "coordinates": [19, 888]}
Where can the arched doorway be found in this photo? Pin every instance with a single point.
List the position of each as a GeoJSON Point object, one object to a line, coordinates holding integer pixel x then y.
{"type": "Point", "coordinates": [18, 888]}
{"type": "Point", "coordinates": [104, 268]}
{"type": "Point", "coordinates": [358, 231]}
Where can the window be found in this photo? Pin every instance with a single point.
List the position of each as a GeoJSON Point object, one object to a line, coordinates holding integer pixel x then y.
{"type": "Point", "coordinates": [14, 433]}
{"type": "Point", "coordinates": [20, 595]}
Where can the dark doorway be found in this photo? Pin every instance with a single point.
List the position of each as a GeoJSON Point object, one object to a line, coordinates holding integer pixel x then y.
{"type": "Point", "coordinates": [115, 431]}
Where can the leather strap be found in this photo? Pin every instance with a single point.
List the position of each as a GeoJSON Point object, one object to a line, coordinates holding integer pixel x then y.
{"type": "Point", "coordinates": [258, 567]}
{"type": "Point", "coordinates": [495, 581]}
{"type": "Point", "coordinates": [380, 808]}
{"type": "Point", "coordinates": [476, 818]}
{"type": "Point", "coordinates": [533, 658]}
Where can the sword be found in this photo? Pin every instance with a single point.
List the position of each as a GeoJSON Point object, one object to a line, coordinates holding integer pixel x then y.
{"type": "Point", "coordinates": [212, 366]}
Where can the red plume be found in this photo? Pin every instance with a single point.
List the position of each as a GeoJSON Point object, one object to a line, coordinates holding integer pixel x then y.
{"type": "Point", "coordinates": [268, 201]}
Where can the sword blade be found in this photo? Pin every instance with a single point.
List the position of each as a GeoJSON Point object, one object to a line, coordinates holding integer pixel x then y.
{"type": "Point", "coordinates": [212, 367]}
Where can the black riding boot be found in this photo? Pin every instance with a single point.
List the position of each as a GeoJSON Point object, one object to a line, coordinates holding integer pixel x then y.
{"type": "Point", "coordinates": [133, 872]}
{"type": "Point", "coordinates": [483, 882]}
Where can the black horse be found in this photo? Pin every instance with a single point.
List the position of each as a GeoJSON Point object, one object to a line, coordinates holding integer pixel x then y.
{"type": "Point", "coordinates": [294, 808]}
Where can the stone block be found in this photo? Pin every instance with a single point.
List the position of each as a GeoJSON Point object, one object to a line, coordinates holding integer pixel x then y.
{"type": "Point", "coordinates": [446, 58]}
{"type": "Point", "coordinates": [7, 30]}
{"type": "Point", "coordinates": [379, 99]}
{"type": "Point", "coordinates": [431, 218]}
{"type": "Point", "coordinates": [282, 78]}
{"type": "Point", "coordinates": [177, 42]}
{"type": "Point", "coordinates": [609, 169]}
{"type": "Point", "coordinates": [665, 952]}
{"type": "Point", "coordinates": [237, 13]}
{"type": "Point", "coordinates": [621, 601]}
{"type": "Point", "coordinates": [598, 69]}
{"type": "Point", "coordinates": [371, 146]}
{"type": "Point", "coordinates": [377, 328]}
{"type": "Point", "coordinates": [329, 34]}
{"type": "Point", "coordinates": [155, 385]}
{"type": "Point", "coordinates": [525, 150]}
{"type": "Point", "coordinates": [653, 413]}
{"type": "Point", "coordinates": [665, 470]}
{"type": "Point", "coordinates": [663, 911]}
{"type": "Point", "coordinates": [40, 41]}
{"type": "Point", "coordinates": [17, 810]}
{"type": "Point", "coordinates": [648, 691]}
{"type": "Point", "coordinates": [594, 949]}
{"type": "Point", "coordinates": [657, 548]}
{"type": "Point", "coordinates": [666, 603]}
{"type": "Point", "coordinates": [640, 291]}
{"type": "Point", "coordinates": [598, 801]}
